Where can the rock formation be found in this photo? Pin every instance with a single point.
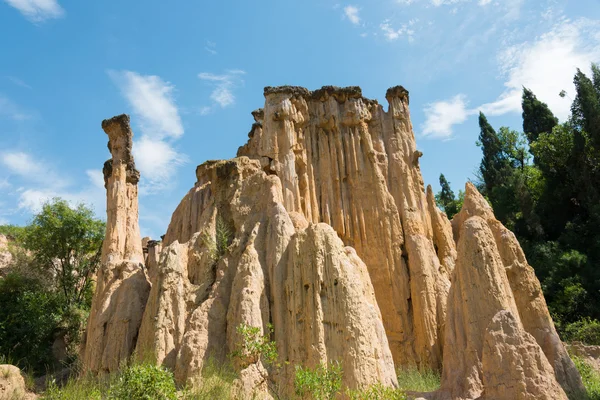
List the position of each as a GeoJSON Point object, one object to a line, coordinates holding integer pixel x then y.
{"type": "Point", "coordinates": [121, 287]}
{"type": "Point", "coordinates": [514, 366]}
{"type": "Point", "coordinates": [5, 255]}
{"type": "Point", "coordinates": [12, 384]}
{"type": "Point", "coordinates": [344, 161]}
{"type": "Point", "coordinates": [321, 227]}
{"type": "Point", "coordinates": [531, 307]}
{"type": "Point", "coordinates": [299, 277]}
{"type": "Point", "coordinates": [590, 354]}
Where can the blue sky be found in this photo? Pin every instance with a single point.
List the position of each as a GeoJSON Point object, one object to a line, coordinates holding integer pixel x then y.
{"type": "Point", "coordinates": [190, 72]}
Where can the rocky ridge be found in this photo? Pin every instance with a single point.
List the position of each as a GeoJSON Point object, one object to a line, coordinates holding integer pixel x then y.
{"type": "Point", "coordinates": [322, 227]}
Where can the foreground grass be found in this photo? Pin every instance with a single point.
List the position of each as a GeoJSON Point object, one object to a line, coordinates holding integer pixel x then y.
{"type": "Point", "coordinates": [146, 381]}
{"type": "Point", "coordinates": [590, 377]}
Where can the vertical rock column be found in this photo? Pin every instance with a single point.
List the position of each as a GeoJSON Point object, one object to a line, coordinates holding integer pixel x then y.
{"type": "Point", "coordinates": [344, 161]}
{"type": "Point", "coordinates": [122, 287]}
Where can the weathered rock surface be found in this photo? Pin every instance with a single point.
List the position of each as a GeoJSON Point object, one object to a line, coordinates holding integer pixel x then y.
{"type": "Point", "coordinates": [590, 354]}
{"type": "Point", "coordinates": [344, 161]}
{"type": "Point", "coordinates": [315, 292]}
{"type": "Point", "coordinates": [12, 384]}
{"type": "Point", "coordinates": [5, 255]}
{"type": "Point", "coordinates": [526, 289]}
{"type": "Point", "coordinates": [122, 287]}
{"type": "Point", "coordinates": [321, 227]}
{"type": "Point", "coordinates": [479, 290]}
{"type": "Point", "coordinates": [514, 366]}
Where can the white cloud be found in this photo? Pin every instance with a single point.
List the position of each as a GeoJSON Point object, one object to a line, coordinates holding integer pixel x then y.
{"type": "Point", "coordinates": [405, 30]}
{"type": "Point", "coordinates": [96, 177]}
{"type": "Point", "coordinates": [351, 12]}
{"type": "Point", "coordinates": [441, 116]}
{"type": "Point", "coordinates": [23, 164]}
{"type": "Point", "coordinates": [152, 102]}
{"type": "Point", "coordinates": [31, 168]}
{"type": "Point", "coordinates": [546, 66]}
{"type": "Point", "coordinates": [484, 2]}
{"type": "Point", "coordinates": [37, 10]}
{"type": "Point", "coordinates": [211, 47]}
{"type": "Point", "coordinates": [157, 162]}
{"type": "Point", "coordinates": [224, 85]}
{"type": "Point", "coordinates": [10, 110]}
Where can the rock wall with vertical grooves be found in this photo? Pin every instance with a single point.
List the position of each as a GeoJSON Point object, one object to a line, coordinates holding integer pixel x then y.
{"type": "Point", "coordinates": [344, 161]}
{"type": "Point", "coordinates": [322, 227]}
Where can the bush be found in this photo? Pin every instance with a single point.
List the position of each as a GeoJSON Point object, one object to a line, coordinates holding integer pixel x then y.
{"type": "Point", "coordinates": [585, 330]}
{"type": "Point", "coordinates": [143, 382]}
{"type": "Point", "coordinates": [589, 376]}
{"type": "Point", "coordinates": [29, 317]}
{"type": "Point", "coordinates": [321, 383]}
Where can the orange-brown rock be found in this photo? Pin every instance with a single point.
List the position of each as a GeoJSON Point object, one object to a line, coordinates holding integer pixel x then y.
{"type": "Point", "coordinates": [526, 289]}
{"type": "Point", "coordinates": [295, 275]}
{"type": "Point", "coordinates": [344, 161]}
{"type": "Point", "coordinates": [514, 366]}
{"type": "Point", "coordinates": [122, 287]}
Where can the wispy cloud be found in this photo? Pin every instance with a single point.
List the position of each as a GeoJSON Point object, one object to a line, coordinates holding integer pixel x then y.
{"type": "Point", "coordinates": [152, 101]}
{"type": "Point", "coordinates": [351, 12]}
{"type": "Point", "coordinates": [158, 118]}
{"type": "Point", "coordinates": [18, 82]}
{"type": "Point", "coordinates": [37, 181]}
{"type": "Point", "coordinates": [37, 10]}
{"type": "Point", "coordinates": [157, 161]}
{"type": "Point", "coordinates": [211, 47]}
{"type": "Point", "coordinates": [224, 85]}
{"type": "Point", "coordinates": [546, 66]}
{"type": "Point", "coordinates": [406, 30]}
{"type": "Point", "coordinates": [441, 116]}
{"type": "Point", "coordinates": [8, 109]}
{"type": "Point", "coordinates": [31, 168]}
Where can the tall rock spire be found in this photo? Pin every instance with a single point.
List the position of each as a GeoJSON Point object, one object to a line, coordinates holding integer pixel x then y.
{"type": "Point", "coordinates": [122, 287]}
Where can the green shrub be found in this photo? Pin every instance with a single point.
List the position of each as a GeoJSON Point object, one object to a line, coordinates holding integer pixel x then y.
{"type": "Point", "coordinates": [29, 317]}
{"type": "Point", "coordinates": [590, 377]}
{"type": "Point", "coordinates": [320, 383]}
{"type": "Point", "coordinates": [411, 379]}
{"type": "Point", "coordinates": [255, 346]}
{"type": "Point", "coordinates": [585, 330]}
{"type": "Point", "coordinates": [143, 382]}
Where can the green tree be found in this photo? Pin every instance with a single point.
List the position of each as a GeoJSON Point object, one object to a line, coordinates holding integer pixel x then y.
{"type": "Point", "coordinates": [66, 242]}
{"type": "Point", "coordinates": [537, 117]}
{"type": "Point", "coordinates": [29, 317]}
{"type": "Point", "coordinates": [493, 164]}
{"type": "Point", "coordinates": [446, 199]}
{"type": "Point", "coordinates": [585, 110]}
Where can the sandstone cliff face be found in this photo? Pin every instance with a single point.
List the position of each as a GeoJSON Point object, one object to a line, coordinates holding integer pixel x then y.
{"type": "Point", "coordinates": [300, 277]}
{"type": "Point", "coordinates": [121, 287]}
{"type": "Point", "coordinates": [514, 366]}
{"type": "Point", "coordinates": [344, 161]}
{"type": "Point", "coordinates": [525, 287]}
{"type": "Point", "coordinates": [322, 228]}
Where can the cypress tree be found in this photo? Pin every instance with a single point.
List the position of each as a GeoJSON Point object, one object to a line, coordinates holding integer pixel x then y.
{"type": "Point", "coordinates": [493, 162]}
{"type": "Point", "coordinates": [537, 117]}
